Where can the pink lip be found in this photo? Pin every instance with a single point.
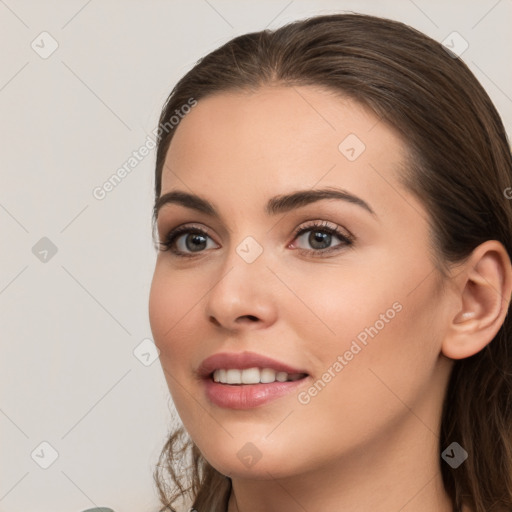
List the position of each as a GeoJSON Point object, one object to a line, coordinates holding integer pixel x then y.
{"type": "Point", "coordinates": [242, 361]}
{"type": "Point", "coordinates": [248, 396]}
{"type": "Point", "coordinates": [245, 396]}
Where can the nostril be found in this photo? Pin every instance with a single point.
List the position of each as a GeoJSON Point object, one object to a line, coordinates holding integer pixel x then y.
{"type": "Point", "coordinates": [243, 318]}
{"type": "Point", "coordinates": [247, 318]}
{"type": "Point", "coordinates": [213, 320]}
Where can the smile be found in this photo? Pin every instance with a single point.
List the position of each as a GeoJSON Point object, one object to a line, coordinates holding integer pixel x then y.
{"type": "Point", "coordinates": [254, 376]}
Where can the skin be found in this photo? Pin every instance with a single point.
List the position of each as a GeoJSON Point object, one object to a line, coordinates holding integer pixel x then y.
{"type": "Point", "coordinates": [369, 439]}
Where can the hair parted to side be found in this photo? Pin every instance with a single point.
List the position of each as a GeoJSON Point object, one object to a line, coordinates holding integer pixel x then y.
{"type": "Point", "coordinates": [459, 166]}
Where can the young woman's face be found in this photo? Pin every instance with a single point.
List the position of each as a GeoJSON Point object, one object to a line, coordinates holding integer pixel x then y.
{"type": "Point", "coordinates": [360, 312]}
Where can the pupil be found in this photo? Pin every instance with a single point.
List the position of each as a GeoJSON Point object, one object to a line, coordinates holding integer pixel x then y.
{"type": "Point", "coordinates": [318, 237]}
{"type": "Point", "coordinates": [195, 245]}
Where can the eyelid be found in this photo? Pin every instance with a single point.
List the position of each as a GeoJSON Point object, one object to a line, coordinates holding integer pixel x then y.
{"type": "Point", "coordinates": [323, 224]}
{"type": "Point", "coordinates": [186, 228]}
{"type": "Point", "coordinates": [346, 238]}
{"type": "Point", "coordinates": [185, 225]}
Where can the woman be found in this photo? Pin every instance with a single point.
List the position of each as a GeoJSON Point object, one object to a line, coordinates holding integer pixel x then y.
{"type": "Point", "coordinates": [330, 298]}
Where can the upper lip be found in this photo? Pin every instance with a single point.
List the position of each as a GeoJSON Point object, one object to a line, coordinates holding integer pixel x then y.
{"type": "Point", "coordinates": [241, 361]}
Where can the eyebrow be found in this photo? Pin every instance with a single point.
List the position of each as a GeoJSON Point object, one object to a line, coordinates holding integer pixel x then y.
{"type": "Point", "coordinates": [275, 205]}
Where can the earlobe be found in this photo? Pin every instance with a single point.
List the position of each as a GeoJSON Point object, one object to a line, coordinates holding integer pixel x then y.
{"type": "Point", "coordinates": [484, 284]}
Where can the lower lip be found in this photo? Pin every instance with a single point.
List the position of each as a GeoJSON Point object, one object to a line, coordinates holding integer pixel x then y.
{"type": "Point", "coordinates": [248, 396]}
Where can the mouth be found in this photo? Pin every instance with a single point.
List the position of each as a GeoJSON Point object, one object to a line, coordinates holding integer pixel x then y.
{"type": "Point", "coordinates": [248, 380]}
{"type": "Point", "coordinates": [255, 375]}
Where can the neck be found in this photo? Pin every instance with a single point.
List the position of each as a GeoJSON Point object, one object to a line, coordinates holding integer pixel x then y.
{"type": "Point", "coordinates": [402, 473]}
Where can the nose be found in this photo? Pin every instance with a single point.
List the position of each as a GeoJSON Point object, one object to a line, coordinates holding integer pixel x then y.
{"type": "Point", "coordinates": [244, 296]}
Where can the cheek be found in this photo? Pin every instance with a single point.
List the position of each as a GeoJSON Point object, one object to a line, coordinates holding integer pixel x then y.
{"type": "Point", "coordinates": [388, 357]}
{"type": "Point", "coordinates": [172, 300]}
{"type": "Point", "coordinates": [363, 390]}
{"type": "Point", "coordinates": [338, 301]}
{"type": "Point", "coordinates": [171, 313]}
{"type": "Point", "coordinates": [378, 320]}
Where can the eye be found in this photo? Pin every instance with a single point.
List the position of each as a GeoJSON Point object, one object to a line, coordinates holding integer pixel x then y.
{"type": "Point", "coordinates": [183, 239]}
{"type": "Point", "coordinates": [190, 241]}
{"type": "Point", "coordinates": [320, 238]}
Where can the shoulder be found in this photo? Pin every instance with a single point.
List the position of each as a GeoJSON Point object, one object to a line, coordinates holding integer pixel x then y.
{"type": "Point", "coordinates": [104, 509]}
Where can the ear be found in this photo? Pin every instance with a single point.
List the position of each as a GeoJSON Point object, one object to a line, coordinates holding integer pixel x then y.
{"type": "Point", "coordinates": [484, 285]}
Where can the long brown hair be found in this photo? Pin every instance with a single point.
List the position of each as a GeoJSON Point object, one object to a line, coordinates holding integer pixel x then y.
{"type": "Point", "coordinates": [460, 165]}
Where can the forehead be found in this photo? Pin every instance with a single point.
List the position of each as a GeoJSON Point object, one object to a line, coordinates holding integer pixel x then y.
{"type": "Point", "coordinates": [279, 114]}
{"type": "Point", "coordinates": [277, 138]}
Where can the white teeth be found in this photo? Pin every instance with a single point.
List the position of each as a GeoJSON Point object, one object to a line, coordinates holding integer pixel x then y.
{"type": "Point", "coordinates": [253, 376]}
{"type": "Point", "coordinates": [233, 376]}
{"type": "Point", "coordinates": [267, 375]}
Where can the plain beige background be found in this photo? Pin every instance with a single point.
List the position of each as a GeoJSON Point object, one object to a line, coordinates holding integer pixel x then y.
{"type": "Point", "coordinates": [82, 391]}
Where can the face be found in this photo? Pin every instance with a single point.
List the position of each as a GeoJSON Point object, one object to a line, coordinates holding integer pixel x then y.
{"type": "Point", "coordinates": [341, 289]}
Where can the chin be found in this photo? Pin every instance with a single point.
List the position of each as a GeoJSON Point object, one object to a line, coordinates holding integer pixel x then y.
{"type": "Point", "coordinates": [260, 470]}
{"type": "Point", "coordinates": [252, 460]}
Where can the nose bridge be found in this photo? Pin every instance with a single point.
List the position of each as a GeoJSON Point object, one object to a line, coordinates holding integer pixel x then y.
{"type": "Point", "coordinates": [242, 288]}
{"type": "Point", "coordinates": [243, 269]}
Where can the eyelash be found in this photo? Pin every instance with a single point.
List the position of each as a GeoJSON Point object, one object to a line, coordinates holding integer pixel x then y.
{"type": "Point", "coordinates": [347, 240]}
